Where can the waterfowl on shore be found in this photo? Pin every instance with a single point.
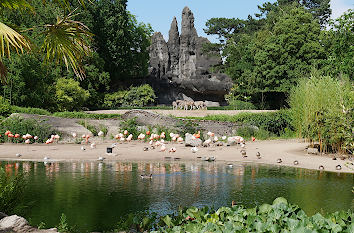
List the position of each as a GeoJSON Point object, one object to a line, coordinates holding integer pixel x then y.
{"type": "Point", "coordinates": [177, 158]}
{"type": "Point", "coordinates": [258, 155]}
{"type": "Point", "coordinates": [194, 149]}
{"type": "Point", "coordinates": [211, 159]}
{"type": "Point", "coordinates": [146, 148]}
{"type": "Point", "coordinates": [338, 167]}
{"type": "Point", "coordinates": [114, 145]}
{"type": "Point", "coordinates": [46, 158]}
{"type": "Point", "coordinates": [279, 160]}
{"type": "Point", "coordinates": [100, 159]}
{"type": "Point", "coordinates": [83, 148]}
{"type": "Point", "coordinates": [321, 167]}
{"type": "Point", "coordinates": [334, 158]}
{"type": "Point", "coordinates": [230, 165]}
{"type": "Point", "coordinates": [93, 145]}
{"type": "Point", "coordinates": [18, 155]}
{"type": "Point", "coordinates": [296, 162]}
{"type": "Point", "coordinates": [205, 158]}
{"type": "Point", "coordinates": [243, 153]}
{"type": "Point", "coordinates": [146, 176]}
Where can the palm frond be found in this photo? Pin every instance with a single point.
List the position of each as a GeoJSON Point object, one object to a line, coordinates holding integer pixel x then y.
{"type": "Point", "coordinates": [10, 39]}
{"type": "Point", "coordinates": [66, 4]}
{"type": "Point", "coordinates": [66, 42]}
{"type": "Point", "coordinates": [14, 4]}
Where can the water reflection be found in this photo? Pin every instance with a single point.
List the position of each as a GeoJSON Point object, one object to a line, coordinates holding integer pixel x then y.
{"type": "Point", "coordinates": [93, 195]}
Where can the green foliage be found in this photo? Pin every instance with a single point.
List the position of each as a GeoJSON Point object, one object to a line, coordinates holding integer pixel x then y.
{"type": "Point", "coordinates": [114, 100]}
{"type": "Point", "coordinates": [63, 224]}
{"type": "Point", "coordinates": [280, 216]}
{"type": "Point", "coordinates": [121, 41]}
{"type": "Point", "coordinates": [275, 122]}
{"type": "Point", "coordinates": [130, 125]}
{"type": "Point", "coordinates": [70, 96]}
{"type": "Point", "coordinates": [134, 97]}
{"type": "Point", "coordinates": [12, 188]}
{"type": "Point", "coordinates": [188, 126]}
{"type": "Point", "coordinates": [322, 109]}
{"type": "Point", "coordinates": [22, 126]}
{"type": "Point", "coordinates": [4, 106]}
{"type": "Point", "coordinates": [84, 115]}
{"type": "Point", "coordinates": [29, 110]}
{"type": "Point", "coordinates": [139, 96]}
{"type": "Point", "coordinates": [93, 128]}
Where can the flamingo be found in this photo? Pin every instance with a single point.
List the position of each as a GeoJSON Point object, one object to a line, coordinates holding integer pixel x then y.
{"type": "Point", "coordinates": [125, 132]}
{"type": "Point", "coordinates": [179, 140]}
{"type": "Point", "coordinates": [163, 148]}
{"type": "Point", "coordinates": [27, 141]}
{"type": "Point", "coordinates": [129, 138]}
{"type": "Point", "coordinates": [74, 135]}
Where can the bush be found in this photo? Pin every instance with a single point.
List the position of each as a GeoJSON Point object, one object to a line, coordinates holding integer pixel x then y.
{"type": "Point", "coordinates": [12, 189]}
{"type": "Point", "coordinates": [323, 111]}
{"type": "Point", "coordinates": [241, 105]}
{"type": "Point", "coordinates": [19, 125]}
{"type": "Point", "coordinates": [4, 106]}
{"type": "Point", "coordinates": [275, 122]}
{"type": "Point", "coordinates": [70, 96]}
{"type": "Point", "coordinates": [39, 111]}
{"type": "Point", "coordinates": [135, 97]}
{"type": "Point", "coordinates": [131, 126]}
{"type": "Point", "coordinates": [114, 100]}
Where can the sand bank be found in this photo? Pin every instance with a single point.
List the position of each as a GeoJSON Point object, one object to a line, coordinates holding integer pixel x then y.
{"type": "Point", "coordinates": [271, 150]}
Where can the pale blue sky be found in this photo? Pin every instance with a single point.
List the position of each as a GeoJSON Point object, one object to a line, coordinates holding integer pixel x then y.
{"type": "Point", "coordinates": [159, 13]}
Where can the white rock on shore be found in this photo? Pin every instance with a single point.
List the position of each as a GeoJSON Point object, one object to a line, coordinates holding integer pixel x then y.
{"type": "Point", "coordinates": [18, 224]}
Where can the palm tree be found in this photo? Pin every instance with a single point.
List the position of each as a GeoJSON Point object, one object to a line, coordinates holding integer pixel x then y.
{"type": "Point", "coordinates": [65, 42]}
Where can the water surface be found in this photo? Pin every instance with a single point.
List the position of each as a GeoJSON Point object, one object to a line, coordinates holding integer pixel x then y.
{"type": "Point", "coordinates": [94, 195]}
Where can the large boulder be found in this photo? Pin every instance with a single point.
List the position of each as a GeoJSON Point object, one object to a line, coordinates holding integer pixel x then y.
{"type": "Point", "coordinates": [18, 224]}
{"type": "Point", "coordinates": [182, 66]}
{"type": "Point", "coordinates": [192, 141]}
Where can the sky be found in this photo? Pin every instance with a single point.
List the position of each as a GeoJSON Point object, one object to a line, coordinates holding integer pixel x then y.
{"type": "Point", "coordinates": [159, 13]}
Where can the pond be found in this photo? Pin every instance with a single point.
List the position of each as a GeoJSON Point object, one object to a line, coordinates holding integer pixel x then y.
{"type": "Point", "coordinates": [94, 195]}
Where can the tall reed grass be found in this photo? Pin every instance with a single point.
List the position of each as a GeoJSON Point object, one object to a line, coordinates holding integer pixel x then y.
{"type": "Point", "coordinates": [322, 112]}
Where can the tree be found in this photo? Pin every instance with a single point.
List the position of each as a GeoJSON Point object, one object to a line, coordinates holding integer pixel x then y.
{"type": "Point", "coordinates": [120, 40]}
{"type": "Point", "coordinates": [338, 43]}
{"type": "Point", "coordinates": [65, 41]}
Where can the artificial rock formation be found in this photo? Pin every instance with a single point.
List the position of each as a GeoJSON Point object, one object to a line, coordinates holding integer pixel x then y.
{"type": "Point", "coordinates": [180, 68]}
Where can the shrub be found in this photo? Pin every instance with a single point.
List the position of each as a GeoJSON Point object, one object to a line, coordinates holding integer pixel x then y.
{"type": "Point", "coordinates": [131, 126]}
{"type": "Point", "coordinates": [12, 189]}
{"type": "Point", "coordinates": [322, 109]}
{"type": "Point", "coordinates": [135, 97]}
{"type": "Point", "coordinates": [20, 125]}
{"type": "Point", "coordinates": [275, 122]}
{"type": "Point", "coordinates": [241, 105]}
{"type": "Point", "coordinates": [114, 100]}
{"type": "Point", "coordinates": [70, 96]}
{"type": "Point", "coordinates": [28, 110]}
{"type": "Point", "coordinates": [4, 106]}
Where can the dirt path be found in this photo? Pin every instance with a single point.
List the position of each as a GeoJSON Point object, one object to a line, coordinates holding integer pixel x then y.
{"type": "Point", "coordinates": [184, 113]}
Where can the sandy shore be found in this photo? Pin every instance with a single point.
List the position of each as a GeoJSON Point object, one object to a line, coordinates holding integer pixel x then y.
{"type": "Point", "coordinates": [287, 150]}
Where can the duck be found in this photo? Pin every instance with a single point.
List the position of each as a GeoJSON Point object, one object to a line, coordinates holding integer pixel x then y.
{"type": "Point", "coordinates": [321, 167]}
{"type": "Point", "coordinates": [230, 165]}
{"type": "Point", "coordinates": [296, 162]}
{"type": "Point", "coordinates": [279, 160]}
{"type": "Point", "coordinates": [338, 167]}
{"type": "Point", "coordinates": [100, 159]}
{"type": "Point", "coordinates": [205, 158]}
{"type": "Point", "coordinates": [163, 148]}
{"type": "Point", "coordinates": [146, 148]}
{"type": "Point", "coordinates": [114, 145]}
{"type": "Point", "coordinates": [172, 150]}
{"type": "Point", "coordinates": [93, 145]}
{"type": "Point", "coordinates": [194, 149]}
{"type": "Point", "coordinates": [258, 155]}
{"type": "Point", "coordinates": [242, 145]}
{"type": "Point", "coordinates": [211, 159]}
{"type": "Point", "coordinates": [18, 155]}
{"type": "Point", "coordinates": [243, 153]}
{"type": "Point", "coordinates": [146, 176]}
{"type": "Point", "coordinates": [83, 148]}
{"type": "Point", "coordinates": [46, 158]}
